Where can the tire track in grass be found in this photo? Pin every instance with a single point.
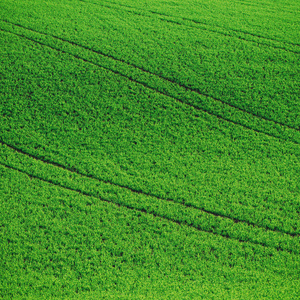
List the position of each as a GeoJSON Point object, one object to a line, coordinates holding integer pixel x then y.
{"type": "Point", "coordinates": [133, 190]}
{"type": "Point", "coordinates": [240, 31]}
{"type": "Point", "coordinates": [202, 23]}
{"type": "Point", "coordinates": [220, 117]}
{"type": "Point", "coordinates": [144, 210]}
{"type": "Point", "coordinates": [269, 7]}
{"type": "Point", "coordinates": [136, 191]}
{"type": "Point", "coordinates": [199, 28]}
{"type": "Point", "coordinates": [163, 78]}
{"type": "Point", "coordinates": [236, 220]}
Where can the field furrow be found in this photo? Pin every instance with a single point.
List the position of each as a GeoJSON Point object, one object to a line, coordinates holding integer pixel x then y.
{"type": "Point", "coordinates": [168, 209]}
{"type": "Point", "coordinates": [92, 236]}
{"type": "Point", "coordinates": [229, 66]}
{"type": "Point", "coordinates": [295, 50]}
{"type": "Point", "coordinates": [241, 117]}
{"type": "Point", "coordinates": [150, 149]}
{"type": "Point", "coordinates": [151, 73]}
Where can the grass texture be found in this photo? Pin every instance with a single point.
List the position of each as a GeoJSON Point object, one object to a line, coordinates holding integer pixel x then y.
{"type": "Point", "coordinates": [149, 149]}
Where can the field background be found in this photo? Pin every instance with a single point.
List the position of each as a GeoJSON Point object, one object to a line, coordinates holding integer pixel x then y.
{"type": "Point", "coordinates": [149, 149]}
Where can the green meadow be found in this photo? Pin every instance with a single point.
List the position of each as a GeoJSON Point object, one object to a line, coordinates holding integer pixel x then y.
{"type": "Point", "coordinates": [150, 149]}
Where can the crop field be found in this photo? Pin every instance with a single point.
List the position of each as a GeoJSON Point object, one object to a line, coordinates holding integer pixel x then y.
{"type": "Point", "coordinates": [150, 149]}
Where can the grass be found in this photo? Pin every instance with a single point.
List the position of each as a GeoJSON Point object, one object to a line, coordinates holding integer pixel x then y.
{"type": "Point", "coordinates": [149, 150]}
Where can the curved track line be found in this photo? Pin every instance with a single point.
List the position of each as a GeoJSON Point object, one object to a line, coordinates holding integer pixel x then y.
{"type": "Point", "coordinates": [203, 23]}
{"type": "Point", "coordinates": [269, 7]}
{"type": "Point", "coordinates": [154, 74]}
{"type": "Point", "coordinates": [78, 172]}
{"type": "Point", "coordinates": [220, 117]}
{"type": "Point", "coordinates": [227, 35]}
{"type": "Point", "coordinates": [147, 212]}
{"type": "Point", "coordinates": [190, 26]}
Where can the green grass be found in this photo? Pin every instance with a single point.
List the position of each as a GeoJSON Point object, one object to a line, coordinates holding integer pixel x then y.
{"type": "Point", "coordinates": [149, 150]}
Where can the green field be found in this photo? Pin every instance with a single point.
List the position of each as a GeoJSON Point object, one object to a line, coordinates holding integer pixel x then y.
{"type": "Point", "coordinates": [150, 149]}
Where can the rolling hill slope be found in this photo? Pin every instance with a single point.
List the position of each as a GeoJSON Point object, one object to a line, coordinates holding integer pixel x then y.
{"type": "Point", "coordinates": [149, 150]}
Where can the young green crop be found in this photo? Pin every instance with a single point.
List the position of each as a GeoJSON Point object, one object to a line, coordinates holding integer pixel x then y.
{"type": "Point", "coordinates": [181, 213]}
{"type": "Point", "coordinates": [140, 142]}
{"type": "Point", "coordinates": [247, 75]}
{"type": "Point", "coordinates": [59, 243]}
{"type": "Point", "coordinates": [148, 151]}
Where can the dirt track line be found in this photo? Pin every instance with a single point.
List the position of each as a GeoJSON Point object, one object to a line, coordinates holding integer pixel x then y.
{"type": "Point", "coordinates": [202, 23]}
{"type": "Point", "coordinates": [156, 90]}
{"type": "Point", "coordinates": [131, 189]}
{"type": "Point", "coordinates": [80, 173]}
{"type": "Point", "coordinates": [145, 211]}
{"type": "Point", "coordinates": [269, 7]}
{"type": "Point", "coordinates": [204, 29]}
{"type": "Point", "coordinates": [154, 74]}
